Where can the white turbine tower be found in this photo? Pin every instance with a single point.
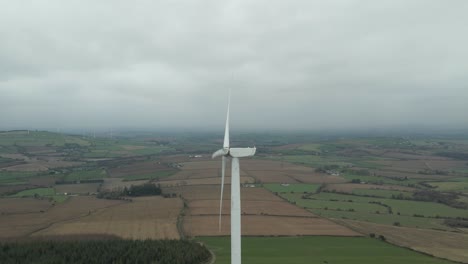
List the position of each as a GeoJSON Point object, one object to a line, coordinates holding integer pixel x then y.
{"type": "Point", "coordinates": [235, 154]}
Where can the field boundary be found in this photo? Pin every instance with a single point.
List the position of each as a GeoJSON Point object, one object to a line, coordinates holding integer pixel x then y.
{"type": "Point", "coordinates": [180, 218]}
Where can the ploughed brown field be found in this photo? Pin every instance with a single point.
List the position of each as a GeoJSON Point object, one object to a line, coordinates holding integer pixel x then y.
{"type": "Point", "coordinates": [138, 168]}
{"type": "Point", "coordinates": [25, 224]}
{"type": "Point", "coordinates": [263, 213]}
{"type": "Point", "coordinates": [185, 174]}
{"type": "Point", "coordinates": [9, 206]}
{"type": "Point", "coordinates": [256, 225]}
{"type": "Point", "coordinates": [39, 163]}
{"type": "Point", "coordinates": [143, 218]}
{"type": "Point", "coordinates": [83, 188]}
{"type": "Point", "coordinates": [268, 208]}
{"type": "Point", "coordinates": [449, 245]}
{"type": "Point", "coordinates": [116, 183]}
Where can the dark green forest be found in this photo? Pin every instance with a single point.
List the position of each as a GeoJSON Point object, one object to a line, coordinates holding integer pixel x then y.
{"type": "Point", "coordinates": [104, 251]}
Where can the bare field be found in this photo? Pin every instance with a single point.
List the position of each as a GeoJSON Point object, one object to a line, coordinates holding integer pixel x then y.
{"type": "Point", "coordinates": [317, 178]}
{"type": "Point", "coordinates": [41, 163]}
{"type": "Point", "coordinates": [448, 245]}
{"type": "Point", "coordinates": [194, 174]}
{"type": "Point", "coordinates": [83, 188]}
{"type": "Point", "coordinates": [273, 208]}
{"type": "Point", "coordinates": [202, 165]}
{"type": "Point", "coordinates": [446, 165]}
{"type": "Point", "coordinates": [23, 205]}
{"type": "Point", "coordinates": [411, 166]}
{"type": "Point", "coordinates": [144, 218]}
{"type": "Point", "coordinates": [349, 187]}
{"type": "Point", "coordinates": [23, 225]}
{"type": "Point", "coordinates": [272, 176]}
{"type": "Point", "coordinates": [42, 181]}
{"type": "Point", "coordinates": [28, 167]}
{"type": "Point", "coordinates": [266, 171]}
{"type": "Point", "coordinates": [253, 225]}
{"type": "Point", "coordinates": [10, 189]}
{"type": "Point", "coordinates": [202, 181]}
{"type": "Point", "coordinates": [115, 183]}
{"type": "Point", "coordinates": [138, 169]}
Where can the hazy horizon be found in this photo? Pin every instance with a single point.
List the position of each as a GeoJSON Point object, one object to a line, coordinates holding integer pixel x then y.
{"type": "Point", "coordinates": [292, 66]}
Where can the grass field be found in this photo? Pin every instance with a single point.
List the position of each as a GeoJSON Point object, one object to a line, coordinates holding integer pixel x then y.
{"type": "Point", "coordinates": [313, 160]}
{"type": "Point", "coordinates": [459, 186]}
{"type": "Point", "coordinates": [354, 207]}
{"type": "Point", "coordinates": [381, 180]}
{"type": "Point", "coordinates": [295, 188]}
{"type": "Point", "coordinates": [85, 175]}
{"type": "Point", "coordinates": [38, 138]}
{"type": "Point", "coordinates": [333, 205]}
{"type": "Point", "coordinates": [386, 219]}
{"type": "Point", "coordinates": [382, 193]}
{"type": "Point", "coordinates": [317, 249]}
{"type": "Point", "coordinates": [405, 207]}
{"type": "Point", "coordinates": [14, 177]}
{"type": "Point", "coordinates": [37, 191]}
{"type": "Point", "coordinates": [42, 192]}
{"type": "Point", "coordinates": [310, 147]}
{"type": "Point", "coordinates": [150, 176]}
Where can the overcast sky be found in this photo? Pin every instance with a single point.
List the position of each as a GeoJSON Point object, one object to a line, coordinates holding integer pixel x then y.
{"type": "Point", "coordinates": [306, 65]}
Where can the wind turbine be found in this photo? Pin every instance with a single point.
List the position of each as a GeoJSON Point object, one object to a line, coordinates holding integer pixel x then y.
{"type": "Point", "coordinates": [235, 154]}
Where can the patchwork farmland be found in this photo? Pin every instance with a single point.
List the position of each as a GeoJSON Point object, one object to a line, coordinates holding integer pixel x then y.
{"type": "Point", "coordinates": [364, 190]}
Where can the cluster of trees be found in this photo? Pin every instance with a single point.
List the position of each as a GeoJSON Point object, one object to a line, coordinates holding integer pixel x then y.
{"type": "Point", "coordinates": [433, 172]}
{"type": "Point", "coordinates": [105, 251]}
{"type": "Point", "coordinates": [325, 168]}
{"type": "Point", "coordinates": [457, 222]}
{"type": "Point", "coordinates": [142, 190]}
{"type": "Point", "coordinates": [80, 181]}
{"type": "Point", "coordinates": [146, 189]}
{"type": "Point", "coordinates": [449, 199]}
{"type": "Point", "coordinates": [454, 155]}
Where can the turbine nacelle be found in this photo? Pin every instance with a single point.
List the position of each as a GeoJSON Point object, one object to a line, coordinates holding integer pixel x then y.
{"type": "Point", "coordinates": [235, 152]}
{"type": "Point", "coordinates": [242, 152]}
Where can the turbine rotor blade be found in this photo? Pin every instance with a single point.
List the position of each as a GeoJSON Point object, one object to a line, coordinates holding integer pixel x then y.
{"type": "Point", "coordinates": [226, 130]}
{"type": "Point", "coordinates": [220, 152]}
{"type": "Point", "coordinates": [223, 170]}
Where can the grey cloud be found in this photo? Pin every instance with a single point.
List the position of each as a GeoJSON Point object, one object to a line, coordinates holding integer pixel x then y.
{"type": "Point", "coordinates": [291, 64]}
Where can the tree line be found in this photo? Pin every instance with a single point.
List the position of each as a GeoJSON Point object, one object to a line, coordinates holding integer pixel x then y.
{"type": "Point", "coordinates": [146, 189]}
{"type": "Point", "coordinates": [104, 251]}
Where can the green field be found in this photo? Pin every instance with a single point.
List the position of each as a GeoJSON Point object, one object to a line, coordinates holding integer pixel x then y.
{"type": "Point", "coordinates": [405, 207]}
{"type": "Point", "coordinates": [333, 205]}
{"type": "Point", "coordinates": [313, 160]}
{"type": "Point", "coordinates": [381, 180]}
{"type": "Point", "coordinates": [41, 192]}
{"type": "Point", "coordinates": [310, 147]}
{"type": "Point", "coordinates": [457, 186]}
{"type": "Point", "coordinates": [295, 187]}
{"type": "Point", "coordinates": [38, 138]}
{"type": "Point", "coordinates": [355, 207]}
{"type": "Point", "coordinates": [150, 176]}
{"type": "Point", "coordinates": [382, 193]}
{"type": "Point", "coordinates": [385, 218]}
{"type": "Point", "coordinates": [317, 249]}
{"type": "Point", "coordinates": [80, 175]}
{"type": "Point", "coordinates": [13, 177]}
